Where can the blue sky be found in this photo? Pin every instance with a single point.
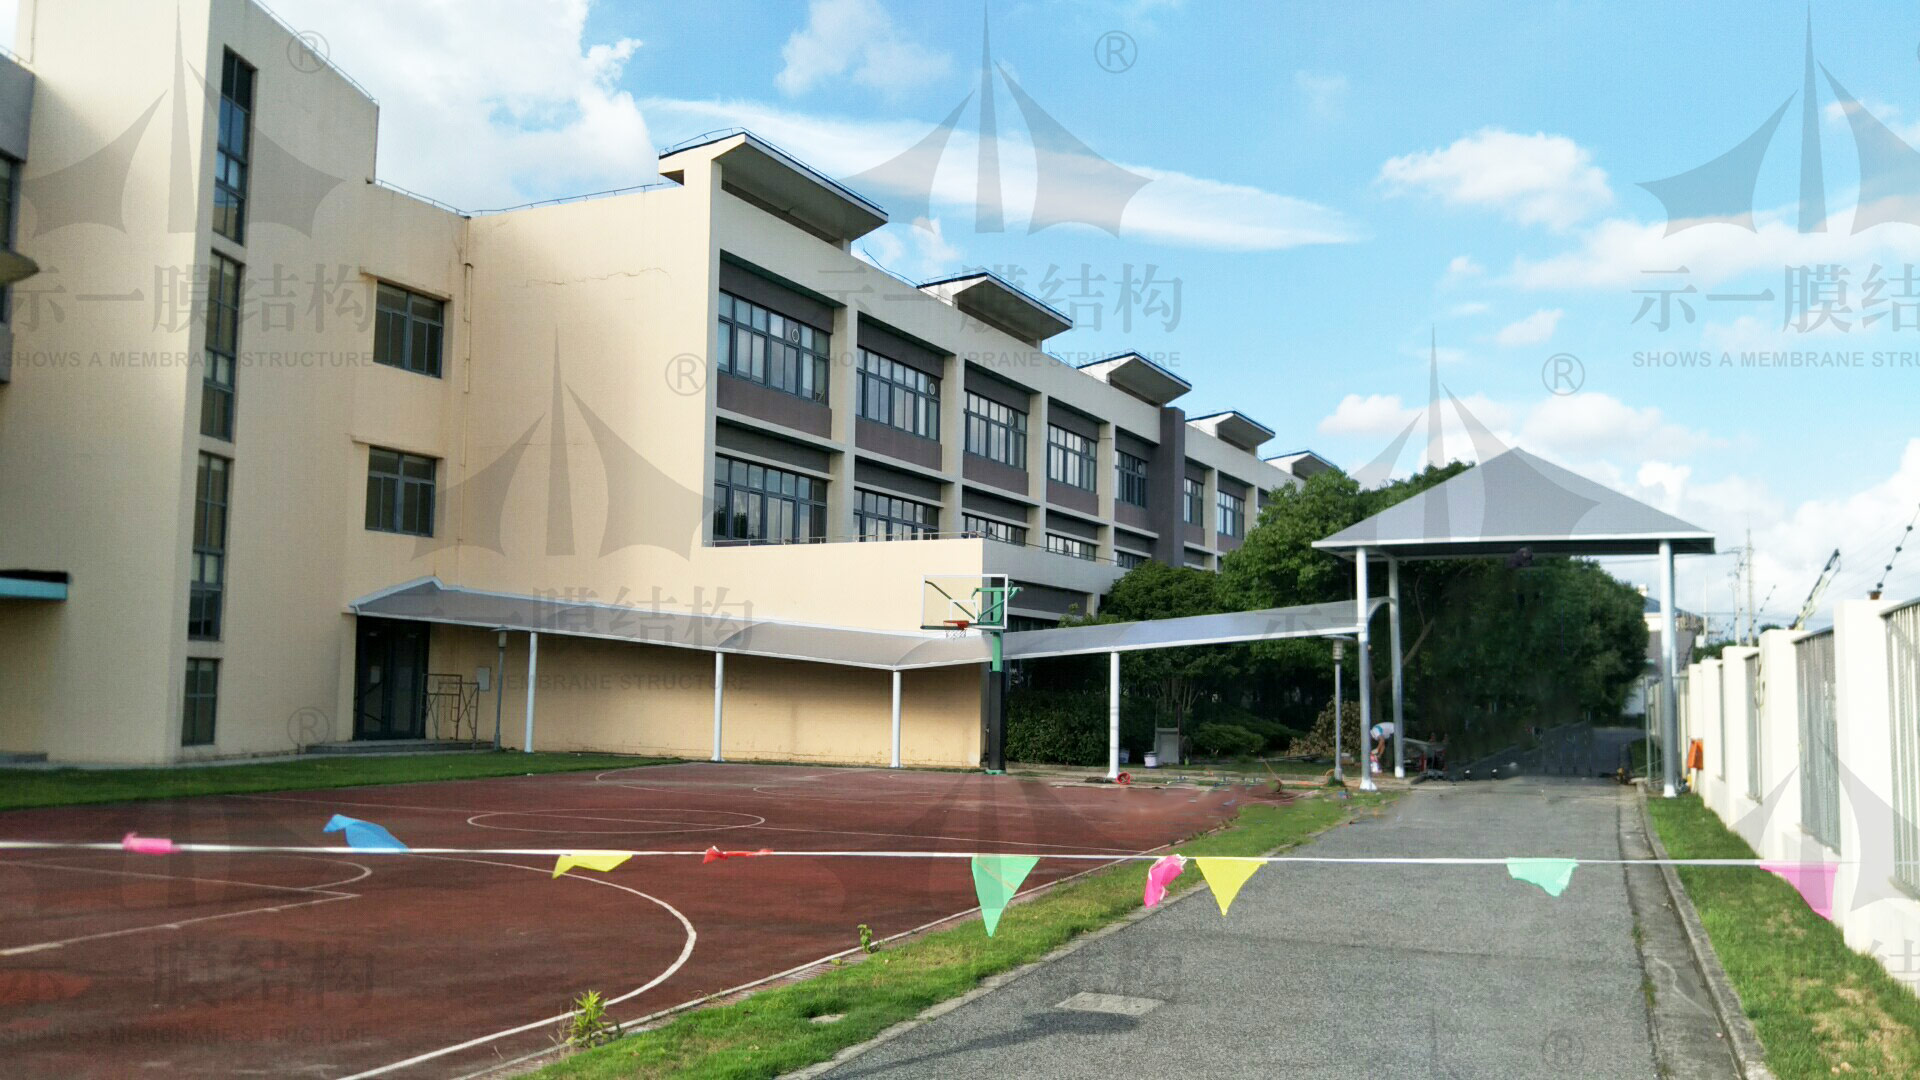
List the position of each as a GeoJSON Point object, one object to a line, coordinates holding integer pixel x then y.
{"type": "Point", "coordinates": [1326, 185]}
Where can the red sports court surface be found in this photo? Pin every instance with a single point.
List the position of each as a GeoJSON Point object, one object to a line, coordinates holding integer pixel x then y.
{"type": "Point", "coordinates": [115, 965]}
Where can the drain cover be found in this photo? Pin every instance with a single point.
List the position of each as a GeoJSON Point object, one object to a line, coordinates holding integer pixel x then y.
{"type": "Point", "coordinates": [1115, 1004]}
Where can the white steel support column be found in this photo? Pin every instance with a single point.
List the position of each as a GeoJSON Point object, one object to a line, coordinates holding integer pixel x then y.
{"type": "Point", "coordinates": [1393, 645]}
{"type": "Point", "coordinates": [1113, 716]}
{"type": "Point", "coordinates": [1365, 664]}
{"type": "Point", "coordinates": [1669, 700]}
{"type": "Point", "coordinates": [533, 662]}
{"type": "Point", "coordinates": [719, 695]}
{"type": "Point", "coordinates": [896, 719]}
{"type": "Point", "coordinates": [1339, 653]}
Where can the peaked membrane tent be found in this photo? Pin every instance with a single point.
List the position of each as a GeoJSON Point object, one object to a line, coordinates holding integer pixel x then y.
{"type": "Point", "coordinates": [1513, 505]}
{"type": "Point", "coordinates": [432, 601]}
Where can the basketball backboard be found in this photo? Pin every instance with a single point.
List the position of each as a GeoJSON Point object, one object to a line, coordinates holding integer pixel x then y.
{"type": "Point", "coordinates": [964, 601]}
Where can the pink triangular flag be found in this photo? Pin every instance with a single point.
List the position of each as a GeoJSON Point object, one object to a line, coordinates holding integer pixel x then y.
{"type": "Point", "coordinates": [1813, 881]}
{"type": "Point", "coordinates": [147, 845]}
{"type": "Point", "coordinates": [1160, 875]}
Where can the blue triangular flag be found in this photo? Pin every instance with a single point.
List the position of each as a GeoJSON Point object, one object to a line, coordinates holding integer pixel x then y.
{"type": "Point", "coordinates": [364, 834]}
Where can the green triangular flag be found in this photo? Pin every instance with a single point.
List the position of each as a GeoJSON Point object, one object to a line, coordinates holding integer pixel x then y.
{"type": "Point", "coordinates": [1550, 874]}
{"type": "Point", "coordinates": [995, 879]}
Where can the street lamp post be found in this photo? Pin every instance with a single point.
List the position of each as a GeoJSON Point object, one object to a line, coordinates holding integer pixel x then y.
{"type": "Point", "coordinates": [1339, 653]}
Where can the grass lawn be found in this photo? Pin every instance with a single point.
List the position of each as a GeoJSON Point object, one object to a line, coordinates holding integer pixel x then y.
{"type": "Point", "coordinates": [772, 1032]}
{"type": "Point", "coordinates": [63, 787]}
{"type": "Point", "coordinates": [1820, 1009]}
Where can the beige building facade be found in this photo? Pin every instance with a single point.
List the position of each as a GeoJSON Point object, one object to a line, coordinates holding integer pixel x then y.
{"type": "Point", "coordinates": [253, 386]}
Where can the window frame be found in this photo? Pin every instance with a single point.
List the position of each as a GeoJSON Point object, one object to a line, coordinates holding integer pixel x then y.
{"type": "Point", "coordinates": [986, 421]}
{"type": "Point", "coordinates": [1193, 497]}
{"type": "Point", "coordinates": [1229, 509]}
{"type": "Point", "coordinates": [986, 528]}
{"type": "Point", "coordinates": [402, 326]}
{"type": "Point", "coordinates": [879, 516]}
{"type": "Point", "coordinates": [1127, 560]}
{"type": "Point", "coordinates": [787, 501]}
{"type": "Point", "coordinates": [1130, 484]}
{"type": "Point", "coordinates": [1073, 547]}
{"type": "Point", "coordinates": [1071, 458]}
{"type": "Point", "coordinates": [196, 693]}
{"type": "Point", "coordinates": [207, 575]}
{"type": "Point", "coordinates": [387, 513]}
{"type": "Point", "coordinates": [885, 384]}
{"type": "Point", "coordinates": [765, 334]}
{"type": "Point", "coordinates": [233, 146]}
{"type": "Point", "coordinates": [219, 376]}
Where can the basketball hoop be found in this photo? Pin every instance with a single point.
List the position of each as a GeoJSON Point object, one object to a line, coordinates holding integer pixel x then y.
{"type": "Point", "coordinates": [957, 627]}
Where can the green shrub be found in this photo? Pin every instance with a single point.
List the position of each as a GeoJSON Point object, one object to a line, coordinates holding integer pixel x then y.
{"type": "Point", "coordinates": [1226, 740]}
{"type": "Point", "coordinates": [1056, 727]}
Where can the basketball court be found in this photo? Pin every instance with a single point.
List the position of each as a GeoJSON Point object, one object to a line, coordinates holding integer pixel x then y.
{"type": "Point", "coordinates": [338, 966]}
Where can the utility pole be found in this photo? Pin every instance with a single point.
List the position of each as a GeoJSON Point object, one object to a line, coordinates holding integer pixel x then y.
{"type": "Point", "coordinates": [1753, 613]}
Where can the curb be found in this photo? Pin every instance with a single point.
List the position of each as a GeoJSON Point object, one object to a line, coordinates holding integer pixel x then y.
{"type": "Point", "coordinates": [1748, 1055]}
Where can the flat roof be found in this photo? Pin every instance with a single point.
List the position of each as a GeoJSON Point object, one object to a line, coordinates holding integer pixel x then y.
{"type": "Point", "coordinates": [1138, 376]}
{"type": "Point", "coordinates": [785, 184]}
{"type": "Point", "coordinates": [1515, 500]}
{"type": "Point", "coordinates": [1235, 427]}
{"type": "Point", "coordinates": [1000, 302]}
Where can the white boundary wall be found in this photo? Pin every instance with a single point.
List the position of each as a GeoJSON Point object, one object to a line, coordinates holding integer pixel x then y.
{"type": "Point", "coordinates": [1878, 914]}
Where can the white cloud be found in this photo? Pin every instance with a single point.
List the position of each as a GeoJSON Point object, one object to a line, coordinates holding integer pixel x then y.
{"type": "Point", "coordinates": [1537, 179]}
{"type": "Point", "coordinates": [857, 37]}
{"type": "Point", "coordinates": [1594, 426]}
{"type": "Point", "coordinates": [1326, 94]}
{"type": "Point", "coordinates": [917, 252]}
{"type": "Point", "coordinates": [1532, 330]}
{"type": "Point", "coordinates": [1471, 307]}
{"type": "Point", "coordinates": [488, 103]}
{"type": "Point", "coordinates": [1174, 208]}
{"type": "Point", "coordinates": [1462, 266]}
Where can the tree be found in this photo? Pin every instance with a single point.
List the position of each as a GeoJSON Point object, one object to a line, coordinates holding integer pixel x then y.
{"type": "Point", "coordinates": [1176, 679]}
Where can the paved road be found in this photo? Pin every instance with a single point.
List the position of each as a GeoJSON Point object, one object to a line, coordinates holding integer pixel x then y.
{"type": "Point", "coordinates": [1330, 971]}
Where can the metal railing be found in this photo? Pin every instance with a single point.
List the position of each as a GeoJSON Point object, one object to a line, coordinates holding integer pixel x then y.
{"type": "Point", "coordinates": [858, 538]}
{"type": "Point", "coordinates": [452, 708]}
{"type": "Point", "coordinates": [1755, 696]}
{"type": "Point", "coordinates": [1819, 740]}
{"type": "Point", "coordinates": [1903, 677]}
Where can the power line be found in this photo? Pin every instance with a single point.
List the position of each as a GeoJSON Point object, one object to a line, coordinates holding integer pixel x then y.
{"type": "Point", "coordinates": [1888, 569]}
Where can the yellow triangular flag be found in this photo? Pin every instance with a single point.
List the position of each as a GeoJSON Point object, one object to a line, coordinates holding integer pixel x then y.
{"type": "Point", "coordinates": [592, 860]}
{"type": "Point", "coordinates": [1225, 876]}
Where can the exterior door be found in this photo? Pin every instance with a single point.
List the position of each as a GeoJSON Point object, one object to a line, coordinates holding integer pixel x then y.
{"type": "Point", "coordinates": [390, 680]}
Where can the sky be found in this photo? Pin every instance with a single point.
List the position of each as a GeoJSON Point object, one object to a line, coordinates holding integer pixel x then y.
{"type": "Point", "coordinates": [1308, 210]}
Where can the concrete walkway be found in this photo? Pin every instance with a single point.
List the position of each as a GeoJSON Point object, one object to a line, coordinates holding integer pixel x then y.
{"type": "Point", "coordinates": [1415, 972]}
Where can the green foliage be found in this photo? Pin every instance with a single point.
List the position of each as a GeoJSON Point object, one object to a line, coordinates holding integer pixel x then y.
{"type": "Point", "coordinates": [1710, 650]}
{"type": "Point", "coordinates": [1056, 727]}
{"type": "Point", "coordinates": [590, 1026]}
{"type": "Point", "coordinates": [866, 939]}
{"type": "Point", "coordinates": [1226, 740]}
{"type": "Point", "coordinates": [1318, 743]}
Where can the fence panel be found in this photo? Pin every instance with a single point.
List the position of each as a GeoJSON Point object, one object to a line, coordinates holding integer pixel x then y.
{"type": "Point", "coordinates": [1819, 741]}
{"type": "Point", "coordinates": [1755, 695]}
{"type": "Point", "coordinates": [1903, 676]}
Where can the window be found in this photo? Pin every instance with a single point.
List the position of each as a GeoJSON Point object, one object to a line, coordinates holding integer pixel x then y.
{"type": "Point", "coordinates": [1067, 545]}
{"type": "Point", "coordinates": [230, 162]}
{"type": "Point", "coordinates": [1132, 475]}
{"type": "Point", "coordinates": [407, 330]}
{"type": "Point", "coordinates": [9, 198]}
{"type": "Point", "coordinates": [755, 503]}
{"type": "Point", "coordinates": [207, 590]}
{"type": "Point", "coordinates": [996, 432]}
{"type": "Point", "coordinates": [400, 492]}
{"type": "Point", "coordinates": [1232, 516]}
{"type": "Point", "coordinates": [1127, 560]}
{"type": "Point", "coordinates": [202, 698]}
{"type": "Point", "coordinates": [764, 347]}
{"type": "Point", "coordinates": [888, 517]}
{"type": "Point", "coordinates": [1194, 494]}
{"type": "Point", "coordinates": [898, 396]}
{"type": "Point", "coordinates": [1069, 458]}
{"type": "Point", "coordinates": [975, 525]}
{"type": "Point", "coordinates": [223, 348]}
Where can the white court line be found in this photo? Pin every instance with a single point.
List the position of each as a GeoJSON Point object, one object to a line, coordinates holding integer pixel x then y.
{"type": "Point", "coordinates": [325, 892]}
{"type": "Point", "coordinates": [686, 952]}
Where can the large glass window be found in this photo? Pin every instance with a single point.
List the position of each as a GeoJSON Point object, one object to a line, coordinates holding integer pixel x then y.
{"type": "Point", "coordinates": [975, 525]}
{"type": "Point", "coordinates": [407, 330]}
{"type": "Point", "coordinates": [200, 703]}
{"type": "Point", "coordinates": [1127, 560]}
{"type": "Point", "coordinates": [898, 396]}
{"type": "Point", "coordinates": [400, 492]}
{"type": "Point", "coordinates": [1232, 516]}
{"type": "Point", "coordinates": [1193, 495]}
{"type": "Point", "coordinates": [206, 592]}
{"type": "Point", "coordinates": [1069, 458]}
{"type": "Point", "coordinates": [768, 348]}
{"type": "Point", "coordinates": [235, 148]}
{"type": "Point", "coordinates": [1068, 545]}
{"type": "Point", "coordinates": [889, 517]}
{"type": "Point", "coordinates": [223, 348]}
{"type": "Point", "coordinates": [996, 432]}
{"type": "Point", "coordinates": [759, 504]}
{"type": "Point", "coordinates": [1132, 477]}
